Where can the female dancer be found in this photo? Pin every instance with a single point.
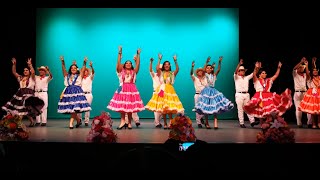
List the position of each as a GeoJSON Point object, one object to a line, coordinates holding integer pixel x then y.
{"type": "Point", "coordinates": [165, 99]}
{"type": "Point", "coordinates": [211, 101]}
{"type": "Point", "coordinates": [24, 103]}
{"type": "Point", "coordinates": [310, 101]}
{"type": "Point", "coordinates": [264, 103]}
{"type": "Point", "coordinates": [72, 99]}
{"type": "Point", "coordinates": [126, 98]}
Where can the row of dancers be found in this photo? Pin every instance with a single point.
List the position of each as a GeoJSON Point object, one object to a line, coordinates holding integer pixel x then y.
{"type": "Point", "coordinates": [76, 97]}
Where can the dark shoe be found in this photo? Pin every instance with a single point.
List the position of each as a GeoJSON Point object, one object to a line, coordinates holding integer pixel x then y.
{"type": "Point", "coordinates": [165, 126]}
{"type": "Point", "coordinates": [137, 124]}
{"type": "Point", "coordinates": [43, 124]}
{"type": "Point", "coordinates": [300, 126]}
{"type": "Point", "coordinates": [129, 126]}
{"type": "Point", "coordinates": [309, 126]}
{"type": "Point", "coordinates": [255, 123]}
{"type": "Point", "coordinates": [78, 124]}
{"type": "Point", "coordinates": [199, 125]}
{"type": "Point", "coordinates": [159, 126]}
{"type": "Point", "coordinates": [70, 127]}
{"type": "Point", "coordinates": [123, 126]}
{"type": "Point", "coordinates": [32, 124]}
{"type": "Point", "coordinates": [215, 127]}
{"type": "Point", "coordinates": [242, 126]}
{"type": "Point", "coordinates": [86, 124]}
{"type": "Point", "coordinates": [37, 124]}
{"type": "Point", "coordinates": [207, 126]}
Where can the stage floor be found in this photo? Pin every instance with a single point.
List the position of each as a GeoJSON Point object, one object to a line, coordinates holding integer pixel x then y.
{"type": "Point", "coordinates": [57, 130]}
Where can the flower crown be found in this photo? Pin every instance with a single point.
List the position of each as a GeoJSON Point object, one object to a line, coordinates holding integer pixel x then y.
{"type": "Point", "coordinates": [181, 129]}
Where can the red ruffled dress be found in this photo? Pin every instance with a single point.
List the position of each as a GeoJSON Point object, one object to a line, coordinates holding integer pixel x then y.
{"type": "Point", "coordinates": [264, 102]}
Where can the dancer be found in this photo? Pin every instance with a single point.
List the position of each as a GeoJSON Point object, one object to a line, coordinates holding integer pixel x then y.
{"type": "Point", "coordinates": [165, 100]}
{"type": "Point", "coordinates": [310, 101]}
{"type": "Point", "coordinates": [86, 86]}
{"type": "Point", "coordinates": [41, 91]}
{"type": "Point", "coordinates": [265, 103]}
{"type": "Point", "coordinates": [199, 82]}
{"type": "Point", "coordinates": [301, 75]}
{"type": "Point", "coordinates": [126, 98]}
{"type": "Point", "coordinates": [211, 101]}
{"type": "Point", "coordinates": [241, 82]}
{"type": "Point", "coordinates": [72, 100]}
{"type": "Point", "coordinates": [155, 84]}
{"type": "Point", "coordinates": [24, 103]}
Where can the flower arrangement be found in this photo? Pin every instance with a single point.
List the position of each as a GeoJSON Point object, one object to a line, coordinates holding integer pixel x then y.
{"type": "Point", "coordinates": [101, 130]}
{"type": "Point", "coordinates": [12, 128]}
{"type": "Point", "coordinates": [182, 130]}
{"type": "Point", "coordinates": [275, 131]}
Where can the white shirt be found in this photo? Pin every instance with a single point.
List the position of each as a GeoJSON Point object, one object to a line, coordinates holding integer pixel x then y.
{"type": "Point", "coordinates": [210, 79]}
{"type": "Point", "coordinates": [87, 84]}
{"type": "Point", "coordinates": [23, 84]}
{"type": "Point", "coordinates": [242, 83]}
{"type": "Point", "coordinates": [168, 80]}
{"type": "Point", "coordinates": [77, 83]}
{"type": "Point", "coordinates": [42, 83]}
{"type": "Point", "coordinates": [127, 77]}
{"type": "Point", "coordinates": [155, 80]}
{"type": "Point", "coordinates": [299, 81]}
{"type": "Point", "coordinates": [199, 85]}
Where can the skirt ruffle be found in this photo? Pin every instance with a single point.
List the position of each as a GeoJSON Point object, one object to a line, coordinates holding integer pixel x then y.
{"type": "Point", "coordinates": [263, 104]}
{"type": "Point", "coordinates": [126, 99]}
{"type": "Point", "coordinates": [311, 102]}
{"type": "Point", "coordinates": [165, 100]}
{"type": "Point", "coordinates": [24, 103]}
{"type": "Point", "coordinates": [211, 101]}
{"type": "Point", "coordinates": [73, 100]}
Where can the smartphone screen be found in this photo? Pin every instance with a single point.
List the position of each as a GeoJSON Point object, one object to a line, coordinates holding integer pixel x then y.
{"type": "Point", "coordinates": [184, 146]}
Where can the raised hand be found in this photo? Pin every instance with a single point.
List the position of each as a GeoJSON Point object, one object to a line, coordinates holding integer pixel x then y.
{"type": "Point", "coordinates": [90, 64]}
{"type": "Point", "coordinates": [151, 59]}
{"type": "Point", "coordinates": [85, 59]}
{"type": "Point", "coordinates": [220, 58]}
{"type": "Point", "coordinates": [160, 56]}
{"type": "Point", "coordinates": [193, 63]}
{"type": "Point", "coordinates": [279, 64]}
{"type": "Point", "coordinates": [241, 61]}
{"type": "Point", "coordinates": [139, 51]}
{"type": "Point", "coordinates": [120, 49]}
{"type": "Point", "coordinates": [14, 61]}
{"type": "Point", "coordinates": [208, 59]}
{"type": "Point", "coordinates": [47, 68]}
{"type": "Point", "coordinates": [29, 61]}
{"type": "Point", "coordinates": [258, 64]}
{"type": "Point", "coordinates": [175, 58]}
{"type": "Point", "coordinates": [61, 58]}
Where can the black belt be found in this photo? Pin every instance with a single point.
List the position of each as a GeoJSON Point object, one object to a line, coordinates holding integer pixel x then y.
{"type": "Point", "coordinates": [197, 93]}
{"type": "Point", "coordinates": [40, 91]}
{"type": "Point", "coordinates": [87, 92]}
{"type": "Point", "coordinates": [243, 92]}
{"type": "Point", "coordinates": [300, 91]}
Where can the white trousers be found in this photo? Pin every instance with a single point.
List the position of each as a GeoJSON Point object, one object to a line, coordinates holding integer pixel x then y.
{"type": "Point", "coordinates": [198, 116]}
{"type": "Point", "coordinates": [157, 117]}
{"type": "Point", "coordinates": [42, 118]}
{"type": "Point", "coordinates": [87, 113]}
{"type": "Point", "coordinates": [241, 100]}
{"type": "Point", "coordinates": [297, 98]}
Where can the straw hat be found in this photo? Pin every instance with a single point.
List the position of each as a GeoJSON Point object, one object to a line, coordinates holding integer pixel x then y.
{"type": "Point", "coordinates": [42, 68]}
{"type": "Point", "coordinates": [242, 68]}
{"type": "Point", "coordinates": [199, 69]}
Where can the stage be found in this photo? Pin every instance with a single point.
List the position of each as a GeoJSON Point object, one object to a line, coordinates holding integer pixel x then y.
{"type": "Point", "coordinates": [57, 130]}
{"type": "Point", "coordinates": [58, 149]}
